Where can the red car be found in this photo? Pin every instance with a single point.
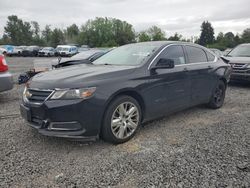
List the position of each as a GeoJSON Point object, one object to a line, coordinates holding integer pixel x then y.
{"type": "Point", "coordinates": [6, 80]}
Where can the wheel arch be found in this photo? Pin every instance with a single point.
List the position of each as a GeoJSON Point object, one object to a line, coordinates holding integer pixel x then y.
{"type": "Point", "coordinates": [129, 92]}
{"type": "Point", "coordinates": [224, 80]}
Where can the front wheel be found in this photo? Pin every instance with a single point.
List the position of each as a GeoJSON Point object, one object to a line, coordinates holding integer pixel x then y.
{"type": "Point", "coordinates": [218, 96]}
{"type": "Point", "coordinates": [121, 120]}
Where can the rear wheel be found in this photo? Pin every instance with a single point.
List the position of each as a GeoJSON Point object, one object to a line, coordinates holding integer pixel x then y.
{"type": "Point", "coordinates": [218, 96]}
{"type": "Point", "coordinates": [122, 119]}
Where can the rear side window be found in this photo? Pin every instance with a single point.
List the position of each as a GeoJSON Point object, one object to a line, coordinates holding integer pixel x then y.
{"type": "Point", "coordinates": [210, 56]}
{"type": "Point", "coordinates": [174, 53]}
{"type": "Point", "coordinates": [196, 55]}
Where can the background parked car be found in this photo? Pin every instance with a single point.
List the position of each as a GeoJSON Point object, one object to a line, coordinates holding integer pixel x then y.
{"type": "Point", "coordinates": [82, 57]}
{"type": "Point", "coordinates": [68, 51]}
{"type": "Point", "coordinates": [9, 49]}
{"type": "Point", "coordinates": [83, 48]}
{"type": "Point", "coordinates": [6, 80]}
{"type": "Point", "coordinates": [217, 52]}
{"type": "Point", "coordinates": [3, 51]}
{"type": "Point", "coordinates": [58, 50]}
{"type": "Point", "coordinates": [46, 51]}
{"type": "Point", "coordinates": [239, 58]}
{"type": "Point", "coordinates": [227, 51]}
{"type": "Point", "coordinates": [30, 51]}
{"type": "Point", "coordinates": [45, 65]}
{"type": "Point", "coordinates": [18, 50]}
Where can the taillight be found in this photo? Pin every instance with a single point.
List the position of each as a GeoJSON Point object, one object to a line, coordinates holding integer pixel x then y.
{"type": "Point", "coordinates": [3, 64]}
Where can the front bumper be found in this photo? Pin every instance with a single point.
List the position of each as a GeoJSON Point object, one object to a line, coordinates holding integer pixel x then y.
{"type": "Point", "coordinates": [243, 75]}
{"type": "Point", "coordinates": [6, 81]}
{"type": "Point", "coordinates": [69, 119]}
{"type": "Point", "coordinates": [42, 54]}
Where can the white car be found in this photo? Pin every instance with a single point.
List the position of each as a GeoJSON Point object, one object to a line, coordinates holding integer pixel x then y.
{"type": "Point", "coordinates": [67, 50]}
{"type": "Point", "coordinates": [2, 51]}
{"type": "Point", "coordinates": [46, 51]}
{"type": "Point", "coordinates": [18, 50]}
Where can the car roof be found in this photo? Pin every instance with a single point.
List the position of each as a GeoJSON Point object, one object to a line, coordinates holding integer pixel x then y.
{"type": "Point", "coordinates": [245, 44]}
{"type": "Point", "coordinates": [65, 46]}
{"type": "Point", "coordinates": [165, 43]}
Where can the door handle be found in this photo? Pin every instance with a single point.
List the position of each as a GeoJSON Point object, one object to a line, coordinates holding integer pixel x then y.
{"type": "Point", "coordinates": [209, 67]}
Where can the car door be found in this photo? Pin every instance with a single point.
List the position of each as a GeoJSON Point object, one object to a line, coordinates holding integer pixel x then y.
{"type": "Point", "coordinates": [200, 71]}
{"type": "Point", "coordinates": [169, 89]}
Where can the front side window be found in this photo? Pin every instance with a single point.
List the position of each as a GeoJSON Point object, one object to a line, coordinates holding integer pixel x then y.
{"type": "Point", "coordinates": [175, 54]}
{"type": "Point", "coordinates": [196, 55]}
{"type": "Point", "coordinates": [210, 56]}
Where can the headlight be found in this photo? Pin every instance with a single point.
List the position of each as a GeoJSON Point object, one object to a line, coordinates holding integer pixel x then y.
{"type": "Point", "coordinates": [83, 93]}
{"type": "Point", "coordinates": [26, 94]}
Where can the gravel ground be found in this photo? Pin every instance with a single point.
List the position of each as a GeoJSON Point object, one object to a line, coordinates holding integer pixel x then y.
{"type": "Point", "coordinates": [198, 147]}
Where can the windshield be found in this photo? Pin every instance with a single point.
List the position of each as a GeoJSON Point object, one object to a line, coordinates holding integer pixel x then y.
{"type": "Point", "coordinates": [65, 49]}
{"type": "Point", "coordinates": [47, 48]}
{"type": "Point", "coordinates": [132, 54]}
{"type": "Point", "coordinates": [240, 51]}
{"type": "Point", "coordinates": [30, 48]}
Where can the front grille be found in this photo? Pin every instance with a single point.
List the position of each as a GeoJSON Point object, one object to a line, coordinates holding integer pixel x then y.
{"type": "Point", "coordinates": [38, 96]}
{"type": "Point", "coordinates": [239, 71]}
{"type": "Point", "coordinates": [238, 65]}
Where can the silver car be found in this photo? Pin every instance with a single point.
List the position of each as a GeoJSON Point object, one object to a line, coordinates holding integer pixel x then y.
{"type": "Point", "coordinates": [6, 79]}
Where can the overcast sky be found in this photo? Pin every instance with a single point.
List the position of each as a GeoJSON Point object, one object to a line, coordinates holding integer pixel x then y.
{"type": "Point", "coordinates": [182, 16]}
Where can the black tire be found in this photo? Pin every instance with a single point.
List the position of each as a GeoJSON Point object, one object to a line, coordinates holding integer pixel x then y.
{"type": "Point", "coordinates": [218, 96]}
{"type": "Point", "coordinates": [106, 132]}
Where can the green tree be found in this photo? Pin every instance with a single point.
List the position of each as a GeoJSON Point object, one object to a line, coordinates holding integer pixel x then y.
{"type": "Point", "coordinates": [57, 37]}
{"type": "Point", "coordinates": [123, 31]}
{"type": "Point", "coordinates": [17, 31]}
{"type": "Point", "coordinates": [246, 36]}
{"type": "Point", "coordinates": [72, 33]}
{"type": "Point", "coordinates": [229, 40]}
{"type": "Point", "coordinates": [156, 33]}
{"type": "Point", "coordinates": [220, 37]}
{"type": "Point", "coordinates": [143, 36]}
{"type": "Point", "coordinates": [35, 28]}
{"type": "Point", "coordinates": [207, 34]}
{"type": "Point", "coordinates": [105, 32]}
{"type": "Point", "coordinates": [46, 35]}
{"type": "Point", "coordinates": [176, 37]}
{"type": "Point", "coordinates": [36, 38]}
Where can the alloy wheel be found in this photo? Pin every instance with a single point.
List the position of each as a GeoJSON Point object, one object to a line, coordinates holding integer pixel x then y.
{"type": "Point", "coordinates": [218, 95]}
{"type": "Point", "coordinates": [125, 120]}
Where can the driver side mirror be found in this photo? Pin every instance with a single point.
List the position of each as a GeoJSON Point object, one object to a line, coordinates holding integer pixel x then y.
{"type": "Point", "coordinates": [163, 64]}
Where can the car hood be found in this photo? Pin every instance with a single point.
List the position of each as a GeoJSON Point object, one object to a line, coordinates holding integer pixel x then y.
{"type": "Point", "coordinates": [65, 60]}
{"type": "Point", "coordinates": [79, 76]}
{"type": "Point", "coordinates": [241, 60]}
